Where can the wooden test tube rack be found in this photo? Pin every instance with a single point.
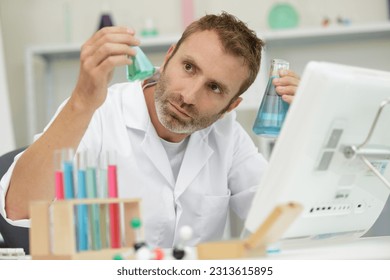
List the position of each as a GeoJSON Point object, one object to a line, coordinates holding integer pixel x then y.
{"type": "Point", "coordinates": [53, 232]}
{"type": "Point", "coordinates": [271, 230]}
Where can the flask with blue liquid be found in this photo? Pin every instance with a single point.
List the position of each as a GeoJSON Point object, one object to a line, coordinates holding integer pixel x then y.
{"type": "Point", "coordinates": [141, 68]}
{"type": "Point", "coordinates": [273, 109]}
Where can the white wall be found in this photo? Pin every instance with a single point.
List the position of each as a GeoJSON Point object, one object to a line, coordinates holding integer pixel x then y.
{"type": "Point", "coordinates": [31, 22]}
{"type": "Point", "coordinates": [7, 142]}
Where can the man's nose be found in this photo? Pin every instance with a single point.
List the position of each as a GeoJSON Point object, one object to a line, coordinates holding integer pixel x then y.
{"type": "Point", "coordinates": [192, 91]}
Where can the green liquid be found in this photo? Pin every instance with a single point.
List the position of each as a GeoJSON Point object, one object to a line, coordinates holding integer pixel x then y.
{"type": "Point", "coordinates": [141, 68]}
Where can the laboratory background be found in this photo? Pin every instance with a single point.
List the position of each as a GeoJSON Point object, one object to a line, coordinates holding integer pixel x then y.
{"type": "Point", "coordinates": [41, 38]}
{"type": "Point", "coordinates": [40, 42]}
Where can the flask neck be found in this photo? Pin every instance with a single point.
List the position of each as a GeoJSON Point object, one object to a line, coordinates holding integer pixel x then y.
{"type": "Point", "coordinates": [276, 65]}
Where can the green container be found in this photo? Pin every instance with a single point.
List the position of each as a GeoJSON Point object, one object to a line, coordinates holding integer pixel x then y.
{"type": "Point", "coordinates": [141, 68]}
{"type": "Point", "coordinates": [283, 15]}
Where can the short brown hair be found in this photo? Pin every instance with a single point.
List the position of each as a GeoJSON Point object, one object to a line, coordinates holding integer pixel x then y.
{"type": "Point", "coordinates": [236, 38]}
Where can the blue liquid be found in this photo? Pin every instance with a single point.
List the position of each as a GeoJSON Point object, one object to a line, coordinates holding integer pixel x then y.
{"type": "Point", "coordinates": [271, 114]}
{"type": "Point", "coordinates": [82, 213]}
{"type": "Point", "coordinates": [141, 68]}
{"type": "Point", "coordinates": [68, 180]}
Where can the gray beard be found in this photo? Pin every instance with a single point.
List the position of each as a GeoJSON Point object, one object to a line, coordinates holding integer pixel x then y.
{"type": "Point", "coordinates": [174, 123]}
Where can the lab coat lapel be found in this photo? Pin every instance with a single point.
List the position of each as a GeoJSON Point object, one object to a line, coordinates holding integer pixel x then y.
{"type": "Point", "coordinates": [195, 158]}
{"type": "Point", "coordinates": [137, 117]}
{"type": "Point", "coordinates": [155, 151]}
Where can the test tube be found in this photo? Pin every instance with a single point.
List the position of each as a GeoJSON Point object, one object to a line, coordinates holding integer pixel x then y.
{"type": "Point", "coordinates": [82, 209]}
{"type": "Point", "coordinates": [67, 165]}
{"type": "Point", "coordinates": [94, 208]}
{"type": "Point", "coordinates": [58, 175]}
{"type": "Point", "coordinates": [113, 193]}
{"type": "Point", "coordinates": [103, 193]}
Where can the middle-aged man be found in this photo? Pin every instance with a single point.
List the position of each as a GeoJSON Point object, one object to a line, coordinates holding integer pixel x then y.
{"type": "Point", "coordinates": [180, 148]}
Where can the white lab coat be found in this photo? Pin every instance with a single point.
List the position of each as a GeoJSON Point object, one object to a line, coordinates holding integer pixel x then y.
{"type": "Point", "coordinates": [221, 167]}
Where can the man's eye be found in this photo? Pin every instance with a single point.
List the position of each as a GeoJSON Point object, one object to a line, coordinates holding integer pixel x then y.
{"type": "Point", "coordinates": [215, 88]}
{"type": "Point", "coordinates": [188, 67]}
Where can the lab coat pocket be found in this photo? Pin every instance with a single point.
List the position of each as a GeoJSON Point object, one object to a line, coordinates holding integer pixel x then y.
{"type": "Point", "coordinates": [212, 216]}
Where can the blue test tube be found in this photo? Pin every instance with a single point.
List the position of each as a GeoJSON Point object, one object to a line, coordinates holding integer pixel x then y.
{"type": "Point", "coordinates": [67, 165]}
{"type": "Point", "coordinates": [82, 210]}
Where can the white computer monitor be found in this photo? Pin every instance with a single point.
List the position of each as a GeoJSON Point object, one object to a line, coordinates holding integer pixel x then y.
{"type": "Point", "coordinates": [334, 107]}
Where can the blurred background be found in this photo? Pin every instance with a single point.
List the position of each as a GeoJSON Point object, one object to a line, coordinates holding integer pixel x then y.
{"type": "Point", "coordinates": [41, 40]}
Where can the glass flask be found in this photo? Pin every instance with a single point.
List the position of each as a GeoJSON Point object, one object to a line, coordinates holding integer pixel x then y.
{"type": "Point", "coordinates": [141, 68]}
{"type": "Point", "coordinates": [105, 16]}
{"type": "Point", "coordinates": [105, 20]}
{"type": "Point", "coordinates": [273, 109]}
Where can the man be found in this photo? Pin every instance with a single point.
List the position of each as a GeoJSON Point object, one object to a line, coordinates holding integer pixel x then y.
{"type": "Point", "coordinates": [179, 149]}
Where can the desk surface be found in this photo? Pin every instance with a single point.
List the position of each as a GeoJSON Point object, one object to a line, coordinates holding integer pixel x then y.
{"type": "Point", "coordinates": [368, 248]}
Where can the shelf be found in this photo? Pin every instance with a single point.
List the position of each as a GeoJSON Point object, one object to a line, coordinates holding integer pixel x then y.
{"type": "Point", "coordinates": [275, 39]}
{"type": "Point", "coordinates": [72, 51]}
{"type": "Point", "coordinates": [331, 33]}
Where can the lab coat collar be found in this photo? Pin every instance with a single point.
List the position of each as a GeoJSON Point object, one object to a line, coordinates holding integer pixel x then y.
{"type": "Point", "coordinates": [136, 116]}
{"type": "Point", "coordinates": [134, 105]}
{"type": "Point", "coordinates": [134, 108]}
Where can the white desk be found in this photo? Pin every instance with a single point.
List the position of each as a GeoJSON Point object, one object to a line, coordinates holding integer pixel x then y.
{"type": "Point", "coordinates": [369, 248]}
{"type": "Point", "coordinates": [365, 248]}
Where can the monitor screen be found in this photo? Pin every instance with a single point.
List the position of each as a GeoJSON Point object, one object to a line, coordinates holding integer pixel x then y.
{"type": "Point", "coordinates": [335, 107]}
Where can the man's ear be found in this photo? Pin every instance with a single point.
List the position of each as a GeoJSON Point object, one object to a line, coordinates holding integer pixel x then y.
{"type": "Point", "coordinates": [232, 106]}
{"type": "Point", "coordinates": [168, 55]}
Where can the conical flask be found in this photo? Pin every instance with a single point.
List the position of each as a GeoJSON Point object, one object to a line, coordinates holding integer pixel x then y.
{"type": "Point", "coordinates": [105, 16]}
{"type": "Point", "coordinates": [141, 68]}
{"type": "Point", "coordinates": [273, 109]}
{"type": "Point", "coordinates": [105, 20]}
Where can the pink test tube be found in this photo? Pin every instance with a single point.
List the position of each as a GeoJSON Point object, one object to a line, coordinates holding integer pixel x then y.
{"type": "Point", "coordinates": [58, 174]}
{"type": "Point", "coordinates": [113, 207]}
